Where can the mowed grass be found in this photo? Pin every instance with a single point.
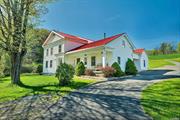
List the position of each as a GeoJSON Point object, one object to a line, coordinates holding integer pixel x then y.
{"type": "Point", "coordinates": [156, 61]}
{"type": "Point", "coordinates": [37, 84]}
{"type": "Point", "coordinates": [162, 100]}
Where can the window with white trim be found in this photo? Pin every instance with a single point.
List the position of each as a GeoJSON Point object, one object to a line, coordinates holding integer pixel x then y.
{"type": "Point", "coordinates": [47, 52]}
{"type": "Point", "coordinates": [51, 51]}
{"type": "Point", "coordinates": [123, 43]}
{"type": "Point", "coordinates": [60, 48]}
{"type": "Point", "coordinates": [51, 63]}
{"type": "Point", "coordinates": [85, 61]}
{"type": "Point", "coordinates": [119, 60]}
{"type": "Point", "coordinates": [46, 64]}
{"type": "Point", "coordinates": [93, 61]}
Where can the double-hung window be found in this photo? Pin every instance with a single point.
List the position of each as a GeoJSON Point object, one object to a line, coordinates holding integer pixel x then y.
{"type": "Point", "coordinates": [93, 61]}
{"type": "Point", "coordinates": [119, 60]}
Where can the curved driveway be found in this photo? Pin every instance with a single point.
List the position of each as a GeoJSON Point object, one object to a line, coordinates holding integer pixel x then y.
{"type": "Point", "coordinates": [106, 100]}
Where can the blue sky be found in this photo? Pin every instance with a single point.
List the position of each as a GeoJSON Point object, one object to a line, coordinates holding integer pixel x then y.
{"type": "Point", "coordinates": [147, 22]}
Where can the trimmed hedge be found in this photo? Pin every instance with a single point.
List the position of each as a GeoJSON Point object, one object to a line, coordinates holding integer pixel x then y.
{"type": "Point", "coordinates": [118, 70]}
{"type": "Point", "coordinates": [130, 68]}
{"type": "Point", "coordinates": [80, 69]}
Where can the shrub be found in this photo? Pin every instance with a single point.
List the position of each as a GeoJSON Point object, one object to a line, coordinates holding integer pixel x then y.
{"type": "Point", "coordinates": [130, 68]}
{"type": "Point", "coordinates": [80, 69]}
{"type": "Point", "coordinates": [89, 72]}
{"type": "Point", "coordinates": [118, 72]}
{"type": "Point", "coordinates": [64, 73]}
{"type": "Point", "coordinates": [108, 71]}
{"type": "Point", "coordinates": [26, 69]}
{"type": "Point", "coordinates": [7, 71]}
{"type": "Point", "coordinates": [39, 69]}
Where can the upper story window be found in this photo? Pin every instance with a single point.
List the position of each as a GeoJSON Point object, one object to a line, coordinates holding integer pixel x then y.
{"type": "Point", "coordinates": [47, 52]}
{"type": "Point", "coordinates": [60, 48]}
{"type": "Point", "coordinates": [123, 43]}
{"type": "Point", "coordinates": [93, 61]}
{"type": "Point", "coordinates": [119, 60]}
{"type": "Point", "coordinates": [144, 63]}
{"type": "Point", "coordinates": [51, 51]}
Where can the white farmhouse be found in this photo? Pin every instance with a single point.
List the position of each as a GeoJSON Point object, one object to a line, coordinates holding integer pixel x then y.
{"type": "Point", "coordinates": [60, 47]}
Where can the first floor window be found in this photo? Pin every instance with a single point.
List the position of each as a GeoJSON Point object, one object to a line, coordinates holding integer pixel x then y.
{"type": "Point", "coordinates": [51, 63]}
{"type": "Point", "coordinates": [78, 60]}
{"type": "Point", "coordinates": [46, 64]}
{"type": "Point", "coordinates": [144, 63]}
{"type": "Point", "coordinates": [119, 60]}
{"type": "Point", "coordinates": [85, 61]}
{"type": "Point", "coordinates": [93, 61]}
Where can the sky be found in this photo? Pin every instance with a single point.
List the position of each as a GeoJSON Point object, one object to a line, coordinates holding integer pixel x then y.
{"type": "Point", "coordinates": [147, 22]}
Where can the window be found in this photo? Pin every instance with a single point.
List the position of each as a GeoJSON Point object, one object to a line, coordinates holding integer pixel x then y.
{"type": "Point", "coordinates": [78, 60]}
{"type": "Point", "coordinates": [123, 43]}
{"type": "Point", "coordinates": [51, 51]}
{"type": "Point", "coordinates": [144, 63]}
{"type": "Point", "coordinates": [47, 52]}
{"type": "Point", "coordinates": [60, 48]}
{"type": "Point", "coordinates": [93, 61]}
{"type": "Point", "coordinates": [51, 63]}
{"type": "Point", "coordinates": [119, 60]}
{"type": "Point", "coordinates": [46, 64]}
{"type": "Point", "coordinates": [85, 61]}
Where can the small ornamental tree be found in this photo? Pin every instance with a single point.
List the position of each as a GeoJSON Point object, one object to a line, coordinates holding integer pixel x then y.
{"type": "Point", "coordinates": [39, 69]}
{"type": "Point", "coordinates": [130, 68]}
{"type": "Point", "coordinates": [80, 69]}
{"type": "Point", "coordinates": [64, 73]}
{"type": "Point", "coordinates": [118, 70]}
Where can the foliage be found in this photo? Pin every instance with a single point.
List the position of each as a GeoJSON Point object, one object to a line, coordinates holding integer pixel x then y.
{"type": "Point", "coordinates": [16, 17]}
{"type": "Point", "coordinates": [2, 66]}
{"type": "Point", "coordinates": [89, 72]}
{"type": "Point", "coordinates": [130, 68]}
{"type": "Point", "coordinates": [36, 38]}
{"type": "Point", "coordinates": [64, 73]}
{"type": "Point", "coordinates": [161, 100]}
{"type": "Point", "coordinates": [178, 47]}
{"type": "Point", "coordinates": [108, 71]}
{"type": "Point", "coordinates": [27, 69]}
{"type": "Point", "coordinates": [80, 69]}
{"type": "Point", "coordinates": [38, 84]}
{"type": "Point", "coordinates": [39, 69]}
{"type": "Point", "coordinates": [118, 70]}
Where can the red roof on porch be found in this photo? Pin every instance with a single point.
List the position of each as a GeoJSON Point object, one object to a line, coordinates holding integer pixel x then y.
{"type": "Point", "coordinates": [139, 51]}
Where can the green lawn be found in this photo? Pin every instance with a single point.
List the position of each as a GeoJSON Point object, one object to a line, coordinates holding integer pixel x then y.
{"type": "Point", "coordinates": [156, 61]}
{"type": "Point", "coordinates": [162, 100]}
{"type": "Point", "coordinates": [36, 84]}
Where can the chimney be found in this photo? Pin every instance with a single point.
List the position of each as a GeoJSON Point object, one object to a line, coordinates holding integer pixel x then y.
{"type": "Point", "coordinates": [104, 35]}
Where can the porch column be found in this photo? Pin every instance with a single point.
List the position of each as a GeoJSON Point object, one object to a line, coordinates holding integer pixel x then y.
{"type": "Point", "coordinates": [104, 58]}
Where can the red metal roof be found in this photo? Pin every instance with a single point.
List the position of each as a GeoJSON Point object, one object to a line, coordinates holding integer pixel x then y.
{"type": "Point", "coordinates": [74, 38]}
{"type": "Point", "coordinates": [138, 51]}
{"type": "Point", "coordinates": [71, 38]}
{"type": "Point", "coordinates": [98, 43]}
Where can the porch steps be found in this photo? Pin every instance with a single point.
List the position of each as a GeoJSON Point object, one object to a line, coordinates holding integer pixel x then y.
{"type": "Point", "coordinates": [98, 73]}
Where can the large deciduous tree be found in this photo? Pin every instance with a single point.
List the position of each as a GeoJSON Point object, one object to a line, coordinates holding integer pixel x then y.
{"type": "Point", "coordinates": [15, 16]}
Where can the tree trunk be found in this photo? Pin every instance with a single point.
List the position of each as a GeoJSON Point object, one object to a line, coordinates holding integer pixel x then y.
{"type": "Point", "coordinates": [16, 61]}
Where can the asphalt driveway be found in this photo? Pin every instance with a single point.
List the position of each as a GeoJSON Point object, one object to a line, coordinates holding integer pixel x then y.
{"type": "Point", "coordinates": [107, 100]}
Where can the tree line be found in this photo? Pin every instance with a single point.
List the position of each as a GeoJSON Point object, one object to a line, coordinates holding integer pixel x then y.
{"type": "Point", "coordinates": [165, 48]}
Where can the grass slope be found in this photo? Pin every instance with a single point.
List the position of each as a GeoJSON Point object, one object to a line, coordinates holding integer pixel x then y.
{"type": "Point", "coordinates": [156, 61]}
{"type": "Point", "coordinates": [36, 84]}
{"type": "Point", "coordinates": [162, 100]}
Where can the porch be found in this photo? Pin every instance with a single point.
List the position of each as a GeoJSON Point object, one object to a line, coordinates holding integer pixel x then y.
{"type": "Point", "coordinates": [92, 58]}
